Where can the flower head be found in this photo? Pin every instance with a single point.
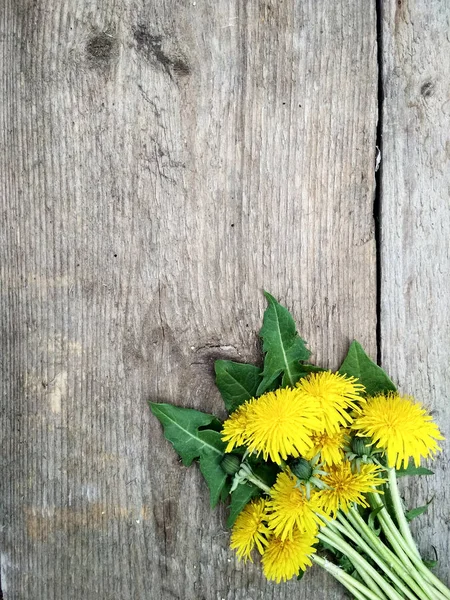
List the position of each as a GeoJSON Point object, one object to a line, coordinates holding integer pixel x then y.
{"type": "Point", "coordinates": [278, 424]}
{"type": "Point", "coordinates": [330, 446]}
{"type": "Point", "coordinates": [399, 426]}
{"type": "Point", "coordinates": [289, 507]}
{"type": "Point", "coordinates": [250, 530]}
{"type": "Point", "coordinates": [282, 559]}
{"type": "Point", "coordinates": [235, 427]}
{"type": "Point", "coordinates": [333, 394]}
{"type": "Point", "coordinates": [345, 487]}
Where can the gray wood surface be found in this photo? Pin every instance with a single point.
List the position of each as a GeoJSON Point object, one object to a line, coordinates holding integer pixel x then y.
{"type": "Point", "coordinates": [161, 164]}
{"type": "Point", "coordinates": [415, 229]}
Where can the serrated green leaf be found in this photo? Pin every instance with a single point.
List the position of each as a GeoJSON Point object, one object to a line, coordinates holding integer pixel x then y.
{"type": "Point", "coordinates": [181, 429]}
{"type": "Point", "coordinates": [416, 512]}
{"type": "Point", "coordinates": [283, 347]}
{"type": "Point", "coordinates": [346, 564]}
{"type": "Point", "coordinates": [358, 364]}
{"type": "Point", "coordinates": [239, 498]}
{"type": "Point", "coordinates": [210, 460]}
{"type": "Point", "coordinates": [237, 382]}
{"type": "Point", "coordinates": [413, 470]}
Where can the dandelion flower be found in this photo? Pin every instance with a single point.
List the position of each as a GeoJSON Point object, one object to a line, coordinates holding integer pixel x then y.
{"type": "Point", "coordinates": [330, 446]}
{"type": "Point", "coordinates": [334, 394]}
{"type": "Point", "coordinates": [346, 487]}
{"type": "Point", "coordinates": [282, 559]}
{"type": "Point", "coordinates": [235, 427]}
{"type": "Point", "coordinates": [250, 530]}
{"type": "Point", "coordinates": [281, 424]}
{"type": "Point", "coordinates": [399, 426]}
{"type": "Point", "coordinates": [289, 508]}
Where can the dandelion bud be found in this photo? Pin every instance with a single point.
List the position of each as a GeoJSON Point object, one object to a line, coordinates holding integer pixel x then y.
{"type": "Point", "coordinates": [231, 464]}
{"type": "Point", "coordinates": [302, 469]}
{"type": "Point", "coordinates": [362, 446]}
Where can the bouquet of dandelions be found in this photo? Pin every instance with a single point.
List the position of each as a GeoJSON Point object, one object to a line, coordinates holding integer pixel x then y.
{"type": "Point", "coordinates": [310, 459]}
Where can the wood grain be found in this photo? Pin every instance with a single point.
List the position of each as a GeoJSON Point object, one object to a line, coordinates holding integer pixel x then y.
{"type": "Point", "coordinates": [162, 163]}
{"type": "Point", "coordinates": [415, 225]}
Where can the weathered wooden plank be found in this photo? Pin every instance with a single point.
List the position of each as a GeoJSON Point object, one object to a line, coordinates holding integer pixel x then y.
{"type": "Point", "coordinates": [415, 259]}
{"type": "Point", "coordinates": [162, 163]}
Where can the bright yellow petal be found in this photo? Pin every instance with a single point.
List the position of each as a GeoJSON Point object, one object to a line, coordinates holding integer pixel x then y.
{"type": "Point", "coordinates": [334, 395]}
{"type": "Point", "coordinates": [329, 446]}
{"type": "Point", "coordinates": [344, 487]}
{"type": "Point", "coordinates": [234, 430]}
{"type": "Point", "coordinates": [283, 559]}
{"type": "Point", "coordinates": [280, 425]}
{"type": "Point", "coordinates": [400, 426]}
{"type": "Point", "coordinates": [250, 530]}
{"type": "Point", "coordinates": [290, 509]}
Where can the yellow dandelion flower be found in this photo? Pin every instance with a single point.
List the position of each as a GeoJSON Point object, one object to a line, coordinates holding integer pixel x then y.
{"type": "Point", "coordinates": [282, 559]}
{"type": "Point", "coordinates": [234, 429]}
{"type": "Point", "coordinates": [334, 394]}
{"type": "Point", "coordinates": [400, 426]}
{"type": "Point", "coordinates": [250, 530]}
{"type": "Point", "coordinates": [330, 446]}
{"type": "Point", "coordinates": [346, 487]}
{"type": "Point", "coordinates": [281, 424]}
{"type": "Point", "coordinates": [290, 509]}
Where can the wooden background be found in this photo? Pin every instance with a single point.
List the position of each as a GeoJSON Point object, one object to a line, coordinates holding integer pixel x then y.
{"type": "Point", "coordinates": [161, 163]}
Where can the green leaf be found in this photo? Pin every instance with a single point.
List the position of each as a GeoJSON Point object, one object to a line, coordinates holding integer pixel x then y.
{"type": "Point", "coordinates": [329, 548]}
{"type": "Point", "coordinates": [416, 512]}
{"type": "Point", "coordinates": [239, 498]}
{"type": "Point", "coordinates": [181, 428]}
{"type": "Point", "coordinates": [346, 564]}
{"type": "Point", "coordinates": [237, 382]}
{"type": "Point", "coordinates": [300, 575]}
{"type": "Point", "coordinates": [430, 563]}
{"type": "Point", "coordinates": [371, 521]}
{"type": "Point", "coordinates": [358, 364]}
{"type": "Point", "coordinates": [266, 471]}
{"type": "Point", "coordinates": [225, 490]}
{"type": "Point", "coordinates": [412, 470]}
{"type": "Point", "coordinates": [283, 346]}
{"type": "Point", "coordinates": [210, 460]}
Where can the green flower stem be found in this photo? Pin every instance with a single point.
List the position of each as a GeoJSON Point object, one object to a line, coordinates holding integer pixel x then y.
{"type": "Point", "coordinates": [257, 481]}
{"type": "Point", "coordinates": [336, 528]}
{"type": "Point", "coordinates": [405, 570]}
{"type": "Point", "coordinates": [355, 587]}
{"type": "Point", "coordinates": [382, 560]}
{"type": "Point", "coordinates": [356, 558]}
{"type": "Point", "coordinates": [400, 513]}
{"type": "Point", "coordinates": [426, 579]}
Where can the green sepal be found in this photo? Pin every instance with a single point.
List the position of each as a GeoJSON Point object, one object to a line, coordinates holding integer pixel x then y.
{"type": "Point", "coordinates": [237, 382]}
{"type": "Point", "coordinates": [283, 347]}
{"type": "Point", "coordinates": [411, 469]}
{"type": "Point", "coordinates": [358, 364]}
{"type": "Point", "coordinates": [300, 575]}
{"type": "Point", "coordinates": [239, 499]}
